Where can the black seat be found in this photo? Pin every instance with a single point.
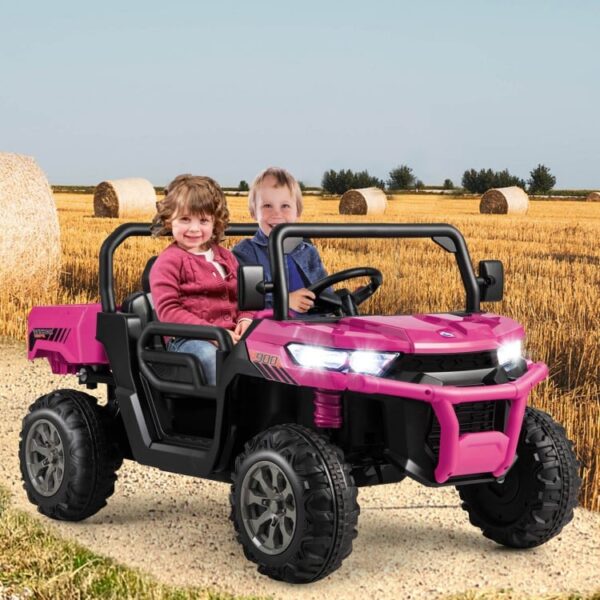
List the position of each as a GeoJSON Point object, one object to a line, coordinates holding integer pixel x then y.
{"type": "Point", "coordinates": [140, 303]}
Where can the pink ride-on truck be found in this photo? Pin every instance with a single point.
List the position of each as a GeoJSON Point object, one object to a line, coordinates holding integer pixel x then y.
{"type": "Point", "coordinates": [306, 409]}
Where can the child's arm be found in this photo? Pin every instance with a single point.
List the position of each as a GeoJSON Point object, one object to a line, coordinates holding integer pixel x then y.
{"type": "Point", "coordinates": [165, 282]}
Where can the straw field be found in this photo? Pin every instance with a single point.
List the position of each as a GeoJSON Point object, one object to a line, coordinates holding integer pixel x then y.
{"type": "Point", "coordinates": [552, 268]}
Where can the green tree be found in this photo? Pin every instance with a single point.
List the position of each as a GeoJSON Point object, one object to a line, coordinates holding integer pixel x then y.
{"type": "Point", "coordinates": [338, 182]}
{"type": "Point", "coordinates": [335, 182]}
{"type": "Point", "coordinates": [362, 179]}
{"type": "Point", "coordinates": [478, 182]}
{"type": "Point", "coordinates": [401, 178]}
{"type": "Point", "coordinates": [541, 181]}
{"type": "Point", "coordinates": [448, 185]}
{"type": "Point", "coordinates": [243, 186]}
{"type": "Point", "coordinates": [505, 179]}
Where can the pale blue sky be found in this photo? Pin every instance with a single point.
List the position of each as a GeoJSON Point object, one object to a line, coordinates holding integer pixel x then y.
{"type": "Point", "coordinates": [152, 89]}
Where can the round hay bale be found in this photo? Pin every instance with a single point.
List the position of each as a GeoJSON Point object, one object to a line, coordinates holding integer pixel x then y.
{"type": "Point", "coordinates": [363, 201]}
{"type": "Point", "coordinates": [30, 241]}
{"type": "Point", "coordinates": [124, 198]}
{"type": "Point", "coordinates": [593, 197]}
{"type": "Point", "coordinates": [501, 201]}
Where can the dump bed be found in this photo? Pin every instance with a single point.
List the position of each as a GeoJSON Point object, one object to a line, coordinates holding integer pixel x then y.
{"type": "Point", "coordinates": [66, 336]}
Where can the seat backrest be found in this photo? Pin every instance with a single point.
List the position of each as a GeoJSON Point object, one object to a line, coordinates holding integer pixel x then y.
{"type": "Point", "coordinates": [140, 303]}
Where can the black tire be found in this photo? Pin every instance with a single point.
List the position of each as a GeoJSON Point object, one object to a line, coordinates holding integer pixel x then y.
{"type": "Point", "coordinates": [321, 491]}
{"type": "Point", "coordinates": [81, 443]}
{"type": "Point", "coordinates": [537, 498]}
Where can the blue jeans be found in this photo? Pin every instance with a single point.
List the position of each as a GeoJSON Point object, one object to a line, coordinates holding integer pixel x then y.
{"type": "Point", "coordinates": [204, 350]}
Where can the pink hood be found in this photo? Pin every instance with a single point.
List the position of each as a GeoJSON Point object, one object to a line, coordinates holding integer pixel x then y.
{"type": "Point", "coordinates": [422, 334]}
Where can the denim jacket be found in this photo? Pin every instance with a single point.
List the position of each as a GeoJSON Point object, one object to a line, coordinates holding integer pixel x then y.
{"type": "Point", "coordinates": [255, 251]}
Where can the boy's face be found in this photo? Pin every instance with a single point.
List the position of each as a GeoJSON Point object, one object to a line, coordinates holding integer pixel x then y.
{"type": "Point", "coordinates": [274, 205]}
{"type": "Point", "coordinates": [193, 232]}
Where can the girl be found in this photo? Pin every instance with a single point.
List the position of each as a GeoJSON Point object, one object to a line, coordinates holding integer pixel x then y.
{"type": "Point", "coordinates": [194, 279]}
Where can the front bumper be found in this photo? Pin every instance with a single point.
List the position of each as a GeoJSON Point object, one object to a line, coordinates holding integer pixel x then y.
{"type": "Point", "coordinates": [469, 453]}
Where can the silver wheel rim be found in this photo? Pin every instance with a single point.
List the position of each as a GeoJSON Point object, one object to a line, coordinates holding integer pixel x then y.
{"type": "Point", "coordinates": [45, 457]}
{"type": "Point", "coordinates": [268, 507]}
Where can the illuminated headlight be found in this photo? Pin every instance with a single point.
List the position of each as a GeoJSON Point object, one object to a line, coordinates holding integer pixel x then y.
{"type": "Point", "coordinates": [370, 363]}
{"type": "Point", "coordinates": [510, 352]}
{"type": "Point", "coordinates": [316, 357]}
{"type": "Point", "coordinates": [357, 361]}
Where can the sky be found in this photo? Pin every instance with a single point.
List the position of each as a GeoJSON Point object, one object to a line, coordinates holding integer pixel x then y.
{"type": "Point", "coordinates": [152, 89]}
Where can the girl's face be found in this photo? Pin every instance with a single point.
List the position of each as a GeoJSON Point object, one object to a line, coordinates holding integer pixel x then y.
{"type": "Point", "coordinates": [274, 205]}
{"type": "Point", "coordinates": [193, 232]}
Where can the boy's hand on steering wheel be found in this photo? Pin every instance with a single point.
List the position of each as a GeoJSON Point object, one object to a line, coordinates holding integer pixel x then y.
{"type": "Point", "coordinates": [302, 300]}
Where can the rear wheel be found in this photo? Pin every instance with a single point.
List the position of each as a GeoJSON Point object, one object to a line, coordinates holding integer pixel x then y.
{"type": "Point", "coordinates": [68, 456]}
{"type": "Point", "coordinates": [293, 504]}
{"type": "Point", "coordinates": [537, 497]}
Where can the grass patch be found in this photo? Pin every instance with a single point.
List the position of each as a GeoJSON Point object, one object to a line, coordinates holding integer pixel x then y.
{"type": "Point", "coordinates": [35, 563]}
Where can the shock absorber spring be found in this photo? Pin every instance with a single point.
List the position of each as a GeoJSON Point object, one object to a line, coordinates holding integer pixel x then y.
{"type": "Point", "coordinates": [328, 409]}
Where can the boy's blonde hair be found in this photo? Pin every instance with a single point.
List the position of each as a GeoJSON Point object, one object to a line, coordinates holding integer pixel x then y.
{"type": "Point", "coordinates": [282, 178]}
{"type": "Point", "coordinates": [194, 195]}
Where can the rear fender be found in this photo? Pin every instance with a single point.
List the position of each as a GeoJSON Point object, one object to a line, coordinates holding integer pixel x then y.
{"type": "Point", "coordinates": [66, 336]}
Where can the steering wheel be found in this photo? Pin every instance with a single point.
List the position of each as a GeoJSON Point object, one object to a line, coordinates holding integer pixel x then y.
{"type": "Point", "coordinates": [344, 299]}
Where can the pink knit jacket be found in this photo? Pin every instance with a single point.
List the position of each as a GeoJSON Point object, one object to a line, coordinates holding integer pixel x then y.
{"type": "Point", "coordinates": [186, 288]}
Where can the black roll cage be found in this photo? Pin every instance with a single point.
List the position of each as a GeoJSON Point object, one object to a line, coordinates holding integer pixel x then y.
{"type": "Point", "coordinates": [118, 236]}
{"type": "Point", "coordinates": [446, 236]}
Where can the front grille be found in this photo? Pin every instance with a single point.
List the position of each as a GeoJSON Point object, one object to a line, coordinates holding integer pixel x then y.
{"type": "Point", "coordinates": [469, 368]}
{"type": "Point", "coordinates": [473, 417]}
{"type": "Point", "coordinates": [438, 363]}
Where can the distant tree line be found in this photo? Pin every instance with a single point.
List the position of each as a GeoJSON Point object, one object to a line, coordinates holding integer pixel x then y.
{"type": "Point", "coordinates": [338, 182]}
{"type": "Point", "coordinates": [402, 177]}
{"type": "Point", "coordinates": [540, 180]}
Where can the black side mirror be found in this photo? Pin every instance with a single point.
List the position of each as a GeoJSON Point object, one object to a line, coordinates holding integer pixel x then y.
{"type": "Point", "coordinates": [251, 289]}
{"type": "Point", "coordinates": [491, 280]}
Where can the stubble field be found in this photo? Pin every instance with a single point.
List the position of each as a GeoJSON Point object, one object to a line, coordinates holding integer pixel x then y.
{"type": "Point", "coordinates": [552, 285]}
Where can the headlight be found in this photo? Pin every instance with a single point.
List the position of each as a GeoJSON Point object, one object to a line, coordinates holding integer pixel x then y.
{"type": "Point", "coordinates": [370, 363]}
{"type": "Point", "coordinates": [316, 357]}
{"type": "Point", "coordinates": [510, 352]}
{"type": "Point", "coordinates": [357, 361]}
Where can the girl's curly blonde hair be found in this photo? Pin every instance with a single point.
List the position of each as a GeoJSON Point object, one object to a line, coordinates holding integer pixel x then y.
{"type": "Point", "coordinates": [192, 195]}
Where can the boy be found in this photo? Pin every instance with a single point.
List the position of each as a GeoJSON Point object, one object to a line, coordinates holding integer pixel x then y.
{"type": "Point", "coordinates": [275, 198]}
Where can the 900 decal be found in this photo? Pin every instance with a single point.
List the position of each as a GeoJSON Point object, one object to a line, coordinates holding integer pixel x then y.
{"type": "Point", "coordinates": [269, 366]}
{"type": "Point", "coordinates": [266, 359]}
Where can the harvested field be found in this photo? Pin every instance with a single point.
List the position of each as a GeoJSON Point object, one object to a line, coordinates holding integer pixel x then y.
{"type": "Point", "coordinates": [552, 281]}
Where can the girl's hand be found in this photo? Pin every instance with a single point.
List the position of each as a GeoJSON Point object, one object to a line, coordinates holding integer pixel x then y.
{"type": "Point", "coordinates": [241, 327]}
{"type": "Point", "coordinates": [301, 300]}
{"type": "Point", "coordinates": [235, 338]}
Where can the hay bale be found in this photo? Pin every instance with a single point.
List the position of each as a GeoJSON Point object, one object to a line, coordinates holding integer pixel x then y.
{"type": "Point", "coordinates": [30, 240]}
{"type": "Point", "coordinates": [593, 197]}
{"type": "Point", "coordinates": [124, 198]}
{"type": "Point", "coordinates": [363, 201]}
{"type": "Point", "coordinates": [501, 201]}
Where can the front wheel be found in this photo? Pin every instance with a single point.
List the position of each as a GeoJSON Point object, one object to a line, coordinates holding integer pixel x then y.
{"type": "Point", "coordinates": [68, 456]}
{"type": "Point", "coordinates": [293, 504]}
{"type": "Point", "coordinates": [538, 495]}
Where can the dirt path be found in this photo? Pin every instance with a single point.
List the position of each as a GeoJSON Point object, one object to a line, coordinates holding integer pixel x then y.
{"type": "Point", "coordinates": [413, 542]}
